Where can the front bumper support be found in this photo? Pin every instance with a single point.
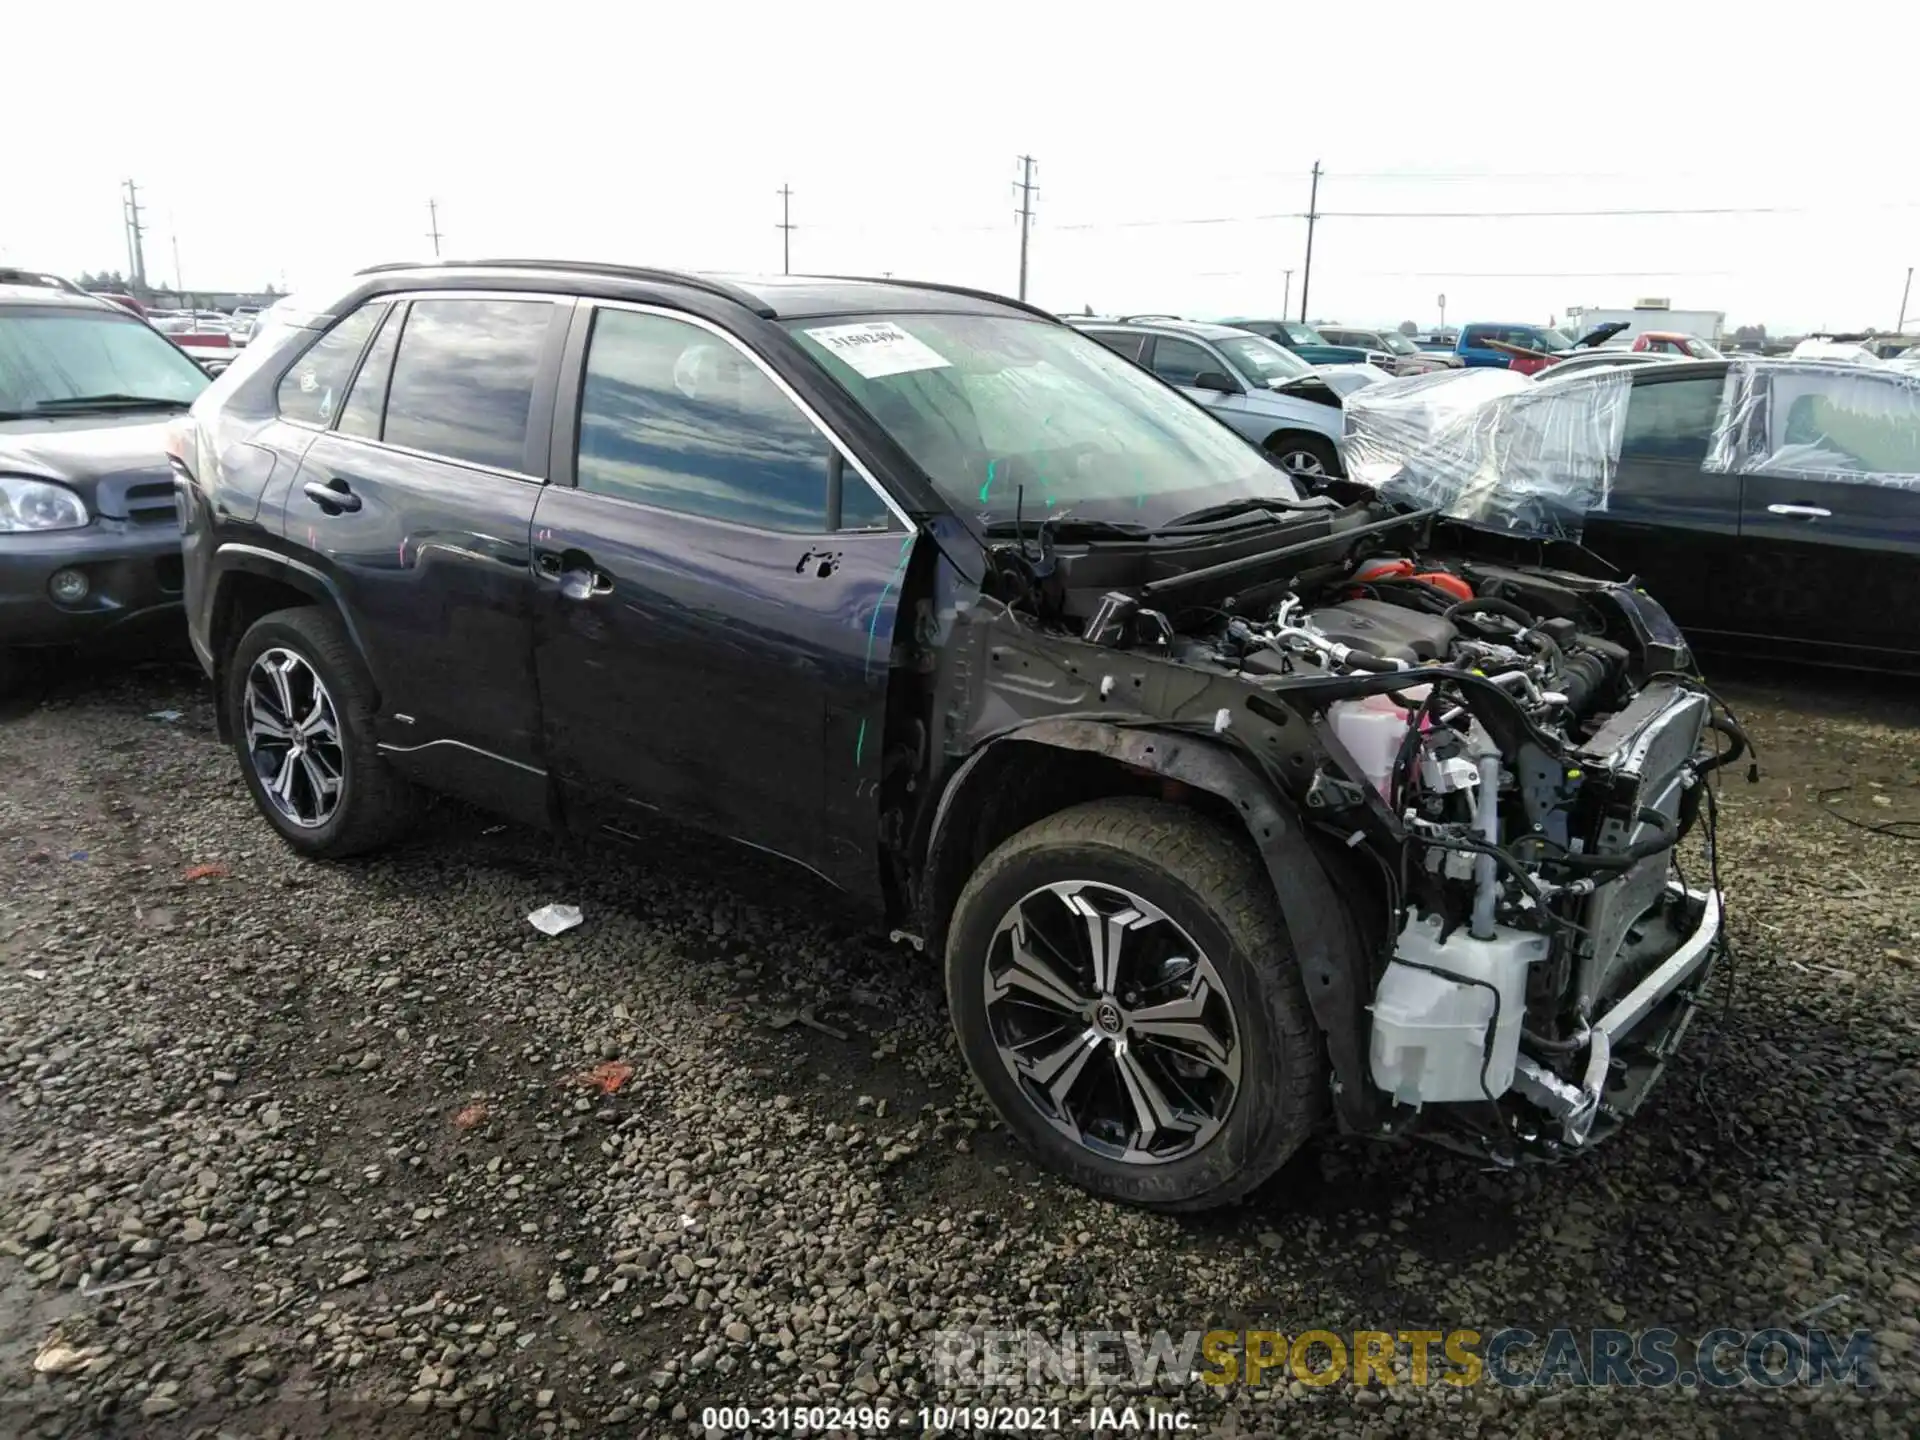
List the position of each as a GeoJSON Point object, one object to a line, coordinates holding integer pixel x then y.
{"type": "Point", "coordinates": [1577, 1108]}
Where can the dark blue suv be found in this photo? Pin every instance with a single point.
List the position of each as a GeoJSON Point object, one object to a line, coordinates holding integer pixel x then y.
{"type": "Point", "coordinates": [999, 634]}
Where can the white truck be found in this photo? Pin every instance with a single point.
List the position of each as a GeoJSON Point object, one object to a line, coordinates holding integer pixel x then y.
{"type": "Point", "coordinates": [1650, 315]}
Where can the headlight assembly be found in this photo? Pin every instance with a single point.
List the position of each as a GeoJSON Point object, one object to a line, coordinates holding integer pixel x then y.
{"type": "Point", "coordinates": [39, 505]}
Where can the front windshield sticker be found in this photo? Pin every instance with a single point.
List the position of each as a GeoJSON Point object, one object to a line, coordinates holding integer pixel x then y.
{"type": "Point", "coordinates": [878, 348]}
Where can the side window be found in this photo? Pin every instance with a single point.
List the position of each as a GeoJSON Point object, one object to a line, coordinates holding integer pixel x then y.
{"type": "Point", "coordinates": [368, 398]}
{"type": "Point", "coordinates": [1671, 420]}
{"type": "Point", "coordinates": [1474, 336]}
{"type": "Point", "coordinates": [311, 391]}
{"type": "Point", "coordinates": [1849, 422]}
{"type": "Point", "coordinates": [674, 416]}
{"type": "Point", "coordinates": [1180, 362]}
{"type": "Point", "coordinates": [463, 379]}
{"type": "Point", "coordinates": [1122, 342]}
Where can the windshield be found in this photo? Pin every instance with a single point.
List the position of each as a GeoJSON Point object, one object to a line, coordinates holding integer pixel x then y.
{"type": "Point", "coordinates": [1002, 412]}
{"type": "Point", "coordinates": [1259, 357]}
{"type": "Point", "coordinates": [1398, 343]}
{"type": "Point", "coordinates": [1550, 341]}
{"type": "Point", "coordinates": [1301, 334]}
{"type": "Point", "coordinates": [54, 353]}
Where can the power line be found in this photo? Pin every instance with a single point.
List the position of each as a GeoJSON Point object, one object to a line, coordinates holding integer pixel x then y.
{"type": "Point", "coordinates": [1468, 215]}
{"type": "Point", "coordinates": [1026, 188]}
{"type": "Point", "coordinates": [1563, 214]}
{"type": "Point", "coordinates": [785, 227]}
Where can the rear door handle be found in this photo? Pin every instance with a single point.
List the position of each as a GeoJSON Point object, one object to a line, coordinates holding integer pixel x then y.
{"type": "Point", "coordinates": [332, 496]}
{"type": "Point", "coordinates": [1803, 512]}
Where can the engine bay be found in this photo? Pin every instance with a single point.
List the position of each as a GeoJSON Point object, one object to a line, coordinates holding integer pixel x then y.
{"type": "Point", "coordinates": [1520, 751]}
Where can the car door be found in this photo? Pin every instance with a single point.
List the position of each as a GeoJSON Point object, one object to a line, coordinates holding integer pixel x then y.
{"type": "Point", "coordinates": [1830, 512]}
{"type": "Point", "coordinates": [417, 504]}
{"type": "Point", "coordinates": [713, 639]}
{"type": "Point", "coordinates": [1668, 522]}
{"type": "Point", "coordinates": [1181, 362]}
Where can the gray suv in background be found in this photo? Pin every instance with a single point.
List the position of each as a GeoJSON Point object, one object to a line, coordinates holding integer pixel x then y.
{"type": "Point", "coordinates": [1289, 408]}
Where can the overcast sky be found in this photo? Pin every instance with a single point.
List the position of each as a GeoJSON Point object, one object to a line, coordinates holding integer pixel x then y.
{"type": "Point", "coordinates": [283, 144]}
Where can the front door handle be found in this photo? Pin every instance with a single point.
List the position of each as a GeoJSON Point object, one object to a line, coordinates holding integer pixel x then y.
{"type": "Point", "coordinates": [579, 577]}
{"type": "Point", "coordinates": [332, 496]}
{"type": "Point", "coordinates": [1803, 512]}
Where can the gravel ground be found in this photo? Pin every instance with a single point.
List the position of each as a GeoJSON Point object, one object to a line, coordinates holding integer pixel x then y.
{"type": "Point", "coordinates": [297, 1149]}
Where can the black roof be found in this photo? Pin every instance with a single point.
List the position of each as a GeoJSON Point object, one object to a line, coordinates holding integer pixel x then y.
{"type": "Point", "coordinates": [772, 297]}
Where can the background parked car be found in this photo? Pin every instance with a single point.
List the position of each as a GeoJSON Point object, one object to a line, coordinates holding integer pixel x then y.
{"type": "Point", "coordinates": [1267, 394]}
{"type": "Point", "coordinates": [89, 536]}
{"type": "Point", "coordinates": [1673, 342]}
{"type": "Point", "coordinates": [1773, 505]}
{"type": "Point", "coordinates": [1308, 343]}
{"type": "Point", "coordinates": [1399, 355]}
{"type": "Point", "coordinates": [1478, 341]}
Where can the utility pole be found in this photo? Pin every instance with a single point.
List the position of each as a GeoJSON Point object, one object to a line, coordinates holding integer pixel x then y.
{"type": "Point", "coordinates": [1903, 302]}
{"type": "Point", "coordinates": [785, 227]}
{"type": "Point", "coordinates": [1313, 214]}
{"type": "Point", "coordinates": [136, 252]}
{"type": "Point", "coordinates": [178, 283]}
{"type": "Point", "coordinates": [1286, 296]}
{"type": "Point", "coordinates": [1026, 187]}
{"type": "Point", "coordinates": [433, 225]}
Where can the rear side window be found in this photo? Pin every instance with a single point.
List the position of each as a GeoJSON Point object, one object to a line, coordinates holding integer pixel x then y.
{"type": "Point", "coordinates": [312, 390]}
{"type": "Point", "coordinates": [463, 379]}
{"type": "Point", "coordinates": [674, 416]}
{"type": "Point", "coordinates": [1121, 342]}
{"type": "Point", "coordinates": [367, 399]}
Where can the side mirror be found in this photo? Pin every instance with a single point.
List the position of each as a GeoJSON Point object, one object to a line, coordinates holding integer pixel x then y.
{"type": "Point", "coordinates": [1215, 380]}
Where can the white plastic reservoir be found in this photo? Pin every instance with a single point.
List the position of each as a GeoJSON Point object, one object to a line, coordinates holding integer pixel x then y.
{"type": "Point", "coordinates": [1372, 728]}
{"type": "Point", "coordinates": [1430, 1035]}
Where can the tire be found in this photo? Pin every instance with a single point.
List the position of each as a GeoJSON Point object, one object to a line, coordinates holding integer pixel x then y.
{"type": "Point", "coordinates": [373, 805]}
{"type": "Point", "coordinates": [1209, 884]}
{"type": "Point", "coordinates": [1304, 456]}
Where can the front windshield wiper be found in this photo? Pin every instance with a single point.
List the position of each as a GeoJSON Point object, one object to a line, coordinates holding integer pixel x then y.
{"type": "Point", "coordinates": [1228, 509]}
{"type": "Point", "coordinates": [1067, 528]}
{"type": "Point", "coordinates": [110, 402]}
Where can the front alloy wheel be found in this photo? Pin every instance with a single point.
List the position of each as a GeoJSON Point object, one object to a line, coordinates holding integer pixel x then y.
{"type": "Point", "coordinates": [1112, 1021]}
{"type": "Point", "coordinates": [1124, 990]}
{"type": "Point", "coordinates": [293, 738]}
{"type": "Point", "coordinates": [1304, 463]}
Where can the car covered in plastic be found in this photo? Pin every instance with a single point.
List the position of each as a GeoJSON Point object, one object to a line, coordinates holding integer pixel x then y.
{"type": "Point", "coordinates": [1773, 505]}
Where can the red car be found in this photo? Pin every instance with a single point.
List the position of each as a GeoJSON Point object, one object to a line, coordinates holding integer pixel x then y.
{"type": "Point", "coordinates": [1672, 342]}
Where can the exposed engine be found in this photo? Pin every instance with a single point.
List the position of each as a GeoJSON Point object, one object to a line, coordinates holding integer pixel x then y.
{"type": "Point", "coordinates": [1540, 779]}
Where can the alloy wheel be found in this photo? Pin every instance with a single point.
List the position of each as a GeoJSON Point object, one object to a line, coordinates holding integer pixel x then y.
{"type": "Point", "coordinates": [293, 738]}
{"type": "Point", "coordinates": [1302, 462]}
{"type": "Point", "coordinates": [1112, 1022]}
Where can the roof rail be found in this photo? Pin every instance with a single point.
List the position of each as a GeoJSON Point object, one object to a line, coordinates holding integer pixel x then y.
{"type": "Point", "coordinates": [589, 267]}
{"type": "Point", "coordinates": [967, 290]}
{"type": "Point", "coordinates": [13, 275]}
{"type": "Point", "coordinates": [1152, 315]}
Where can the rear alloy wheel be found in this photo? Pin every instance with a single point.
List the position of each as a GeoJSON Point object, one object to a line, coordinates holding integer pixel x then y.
{"type": "Point", "coordinates": [1306, 456]}
{"type": "Point", "coordinates": [301, 709]}
{"type": "Point", "coordinates": [1124, 990]}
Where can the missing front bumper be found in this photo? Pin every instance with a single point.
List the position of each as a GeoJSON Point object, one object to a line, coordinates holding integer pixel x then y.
{"type": "Point", "coordinates": [1629, 1045]}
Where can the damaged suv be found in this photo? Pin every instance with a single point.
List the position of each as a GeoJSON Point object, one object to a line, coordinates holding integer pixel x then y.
{"type": "Point", "coordinates": [1231, 811]}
